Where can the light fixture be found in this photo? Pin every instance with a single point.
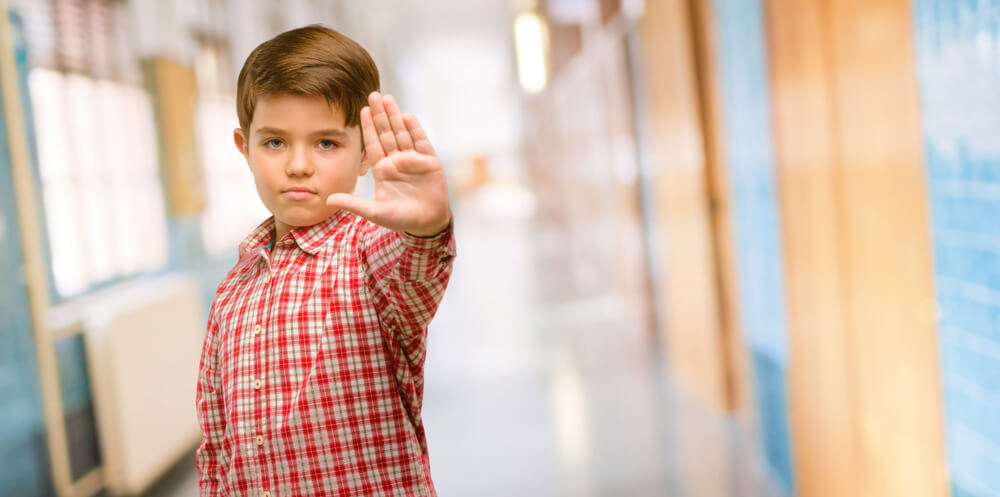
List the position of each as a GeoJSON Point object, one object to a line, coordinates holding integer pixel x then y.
{"type": "Point", "coordinates": [531, 40]}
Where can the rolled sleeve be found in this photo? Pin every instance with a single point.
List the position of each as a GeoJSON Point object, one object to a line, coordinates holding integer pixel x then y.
{"type": "Point", "coordinates": [409, 275]}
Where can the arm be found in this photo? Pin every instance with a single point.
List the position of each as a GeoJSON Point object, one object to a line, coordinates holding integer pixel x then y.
{"type": "Point", "coordinates": [211, 413]}
{"type": "Point", "coordinates": [408, 251]}
{"type": "Point", "coordinates": [408, 276]}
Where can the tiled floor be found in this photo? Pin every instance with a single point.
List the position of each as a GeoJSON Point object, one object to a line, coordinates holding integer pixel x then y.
{"type": "Point", "coordinates": [565, 399]}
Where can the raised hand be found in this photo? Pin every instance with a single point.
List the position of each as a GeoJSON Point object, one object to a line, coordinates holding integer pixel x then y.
{"type": "Point", "coordinates": [411, 194]}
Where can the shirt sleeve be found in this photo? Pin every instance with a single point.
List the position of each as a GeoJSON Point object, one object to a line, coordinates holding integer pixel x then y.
{"type": "Point", "coordinates": [211, 413]}
{"type": "Point", "coordinates": [408, 276]}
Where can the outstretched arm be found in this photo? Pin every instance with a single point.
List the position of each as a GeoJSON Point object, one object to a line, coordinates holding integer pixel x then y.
{"type": "Point", "coordinates": [407, 274]}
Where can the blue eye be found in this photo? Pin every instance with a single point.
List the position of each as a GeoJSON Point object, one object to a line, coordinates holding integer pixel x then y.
{"type": "Point", "coordinates": [273, 143]}
{"type": "Point", "coordinates": [327, 145]}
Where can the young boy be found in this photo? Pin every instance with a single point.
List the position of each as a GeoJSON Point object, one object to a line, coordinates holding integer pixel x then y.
{"type": "Point", "coordinates": [311, 376]}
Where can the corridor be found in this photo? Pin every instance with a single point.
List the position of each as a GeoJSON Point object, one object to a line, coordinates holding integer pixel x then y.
{"type": "Point", "coordinates": [706, 248]}
{"type": "Point", "coordinates": [536, 395]}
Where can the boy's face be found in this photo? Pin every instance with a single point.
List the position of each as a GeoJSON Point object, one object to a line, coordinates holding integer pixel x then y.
{"type": "Point", "coordinates": [300, 152]}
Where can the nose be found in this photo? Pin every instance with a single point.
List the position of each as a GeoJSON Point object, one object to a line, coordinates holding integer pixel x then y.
{"type": "Point", "coordinates": [298, 162]}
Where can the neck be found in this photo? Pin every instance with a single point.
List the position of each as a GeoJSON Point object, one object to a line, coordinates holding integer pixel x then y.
{"type": "Point", "coordinates": [279, 231]}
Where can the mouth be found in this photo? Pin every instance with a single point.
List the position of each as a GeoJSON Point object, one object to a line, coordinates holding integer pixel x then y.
{"type": "Point", "coordinates": [298, 193]}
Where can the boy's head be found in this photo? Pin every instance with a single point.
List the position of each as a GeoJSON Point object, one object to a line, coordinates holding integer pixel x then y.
{"type": "Point", "coordinates": [299, 98]}
{"type": "Point", "coordinates": [309, 61]}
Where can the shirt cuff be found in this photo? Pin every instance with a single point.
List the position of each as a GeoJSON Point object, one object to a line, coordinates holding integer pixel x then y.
{"type": "Point", "coordinates": [429, 242]}
{"type": "Point", "coordinates": [424, 258]}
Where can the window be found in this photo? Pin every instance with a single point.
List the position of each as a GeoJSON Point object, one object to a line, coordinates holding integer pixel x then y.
{"type": "Point", "coordinates": [97, 151]}
{"type": "Point", "coordinates": [100, 181]}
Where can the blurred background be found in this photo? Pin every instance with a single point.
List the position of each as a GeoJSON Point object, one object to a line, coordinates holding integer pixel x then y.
{"type": "Point", "coordinates": [706, 247]}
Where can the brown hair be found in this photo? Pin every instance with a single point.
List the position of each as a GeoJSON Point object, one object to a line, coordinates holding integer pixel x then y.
{"type": "Point", "coordinates": [311, 61]}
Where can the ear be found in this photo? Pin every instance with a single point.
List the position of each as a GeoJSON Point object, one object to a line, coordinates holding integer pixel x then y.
{"type": "Point", "coordinates": [240, 140]}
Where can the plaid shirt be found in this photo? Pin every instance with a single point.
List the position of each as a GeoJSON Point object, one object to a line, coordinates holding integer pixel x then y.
{"type": "Point", "coordinates": [311, 376]}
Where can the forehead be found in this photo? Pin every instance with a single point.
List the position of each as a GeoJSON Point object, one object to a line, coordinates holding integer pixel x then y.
{"type": "Point", "coordinates": [297, 113]}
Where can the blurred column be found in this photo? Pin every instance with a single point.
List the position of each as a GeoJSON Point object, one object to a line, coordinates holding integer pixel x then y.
{"type": "Point", "coordinates": [822, 406]}
{"type": "Point", "coordinates": [168, 48]}
{"type": "Point", "coordinates": [720, 203]}
{"type": "Point", "coordinates": [687, 284]}
{"type": "Point", "coordinates": [864, 376]}
{"type": "Point", "coordinates": [172, 85]}
{"type": "Point", "coordinates": [888, 249]}
{"type": "Point", "coordinates": [696, 282]}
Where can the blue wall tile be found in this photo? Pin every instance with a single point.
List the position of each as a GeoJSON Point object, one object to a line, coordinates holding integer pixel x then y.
{"type": "Point", "coordinates": [958, 55]}
{"type": "Point", "coordinates": [746, 102]}
{"type": "Point", "coordinates": [771, 399]}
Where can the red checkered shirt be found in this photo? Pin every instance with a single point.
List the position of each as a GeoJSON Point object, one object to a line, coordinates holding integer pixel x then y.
{"type": "Point", "coordinates": [311, 376]}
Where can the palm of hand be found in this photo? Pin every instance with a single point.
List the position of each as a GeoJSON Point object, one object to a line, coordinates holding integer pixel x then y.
{"type": "Point", "coordinates": [411, 193]}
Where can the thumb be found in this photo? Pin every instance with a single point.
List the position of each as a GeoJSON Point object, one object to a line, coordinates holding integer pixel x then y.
{"type": "Point", "coordinates": [361, 206]}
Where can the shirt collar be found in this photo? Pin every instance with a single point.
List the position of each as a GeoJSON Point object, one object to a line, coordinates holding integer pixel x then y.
{"type": "Point", "coordinates": [309, 238]}
{"type": "Point", "coordinates": [261, 235]}
{"type": "Point", "coordinates": [312, 238]}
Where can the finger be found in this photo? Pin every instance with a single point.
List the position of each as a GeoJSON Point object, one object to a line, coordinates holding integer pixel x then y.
{"type": "Point", "coordinates": [363, 207]}
{"type": "Point", "coordinates": [420, 141]}
{"type": "Point", "coordinates": [396, 121]}
{"type": "Point", "coordinates": [373, 149]}
{"type": "Point", "coordinates": [382, 126]}
{"type": "Point", "coordinates": [409, 162]}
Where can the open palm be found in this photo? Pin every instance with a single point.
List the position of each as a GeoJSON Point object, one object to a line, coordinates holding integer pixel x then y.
{"type": "Point", "coordinates": [411, 194]}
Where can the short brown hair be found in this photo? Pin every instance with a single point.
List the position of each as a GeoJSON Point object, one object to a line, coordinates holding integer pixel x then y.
{"type": "Point", "coordinates": [311, 61]}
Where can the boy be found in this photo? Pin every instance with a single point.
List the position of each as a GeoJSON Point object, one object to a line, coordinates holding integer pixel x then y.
{"type": "Point", "coordinates": [311, 376]}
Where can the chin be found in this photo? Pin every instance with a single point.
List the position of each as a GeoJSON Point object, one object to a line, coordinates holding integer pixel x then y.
{"type": "Point", "coordinates": [300, 219]}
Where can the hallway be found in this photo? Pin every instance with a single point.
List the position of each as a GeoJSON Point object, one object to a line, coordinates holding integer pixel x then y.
{"type": "Point", "coordinates": [706, 248]}
{"type": "Point", "coordinates": [530, 395]}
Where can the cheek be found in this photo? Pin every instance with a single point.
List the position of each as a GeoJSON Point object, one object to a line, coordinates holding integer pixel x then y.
{"type": "Point", "coordinates": [264, 176]}
{"type": "Point", "coordinates": [342, 177]}
{"type": "Point", "coordinates": [347, 166]}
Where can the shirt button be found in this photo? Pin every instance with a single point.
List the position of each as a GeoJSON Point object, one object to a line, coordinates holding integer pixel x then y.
{"type": "Point", "coordinates": [256, 330]}
{"type": "Point", "coordinates": [267, 494]}
{"type": "Point", "coordinates": [260, 440]}
{"type": "Point", "coordinates": [288, 242]}
{"type": "Point", "coordinates": [256, 384]}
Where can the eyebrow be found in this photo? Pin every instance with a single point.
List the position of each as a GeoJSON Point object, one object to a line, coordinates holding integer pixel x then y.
{"type": "Point", "coordinates": [323, 132]}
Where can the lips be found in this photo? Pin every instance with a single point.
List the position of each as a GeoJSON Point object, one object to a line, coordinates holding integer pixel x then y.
{"type": "Point", "coordinates": [298, 193]}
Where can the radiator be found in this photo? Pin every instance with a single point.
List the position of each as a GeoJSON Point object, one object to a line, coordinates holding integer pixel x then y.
{"type": "Point", "coordinates": [143, 346]}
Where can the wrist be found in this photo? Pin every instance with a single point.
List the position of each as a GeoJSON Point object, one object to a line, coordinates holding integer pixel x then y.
{"type": "Point", "coordinates": [433, 231]}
